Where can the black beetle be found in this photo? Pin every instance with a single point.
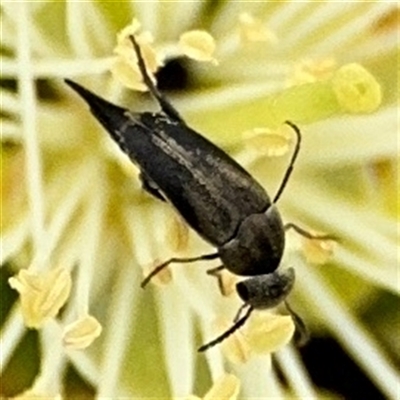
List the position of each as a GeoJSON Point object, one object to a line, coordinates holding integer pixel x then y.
{"type": "Point", "coordinates": [221, 201]}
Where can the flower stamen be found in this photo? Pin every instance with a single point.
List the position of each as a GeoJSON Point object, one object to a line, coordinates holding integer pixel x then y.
{"type": "Point", "coordinates": [310, 70]}
{"type": "Point", "coordinates": [125, 68]}
{"type": "Point", "coordinates": [42, 294]}
{"type": "Point", "coordinates": [81, 333]}
{"type": "Point", "coordinates": [198, 45]}
{"type": "Point", "coordinates": [252, 29]}
{"type": "Point", "coordinates": [356, 90]}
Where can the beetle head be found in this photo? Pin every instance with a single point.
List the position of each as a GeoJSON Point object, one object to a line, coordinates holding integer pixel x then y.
{"type": "Point", "coordinates": [266, 291]}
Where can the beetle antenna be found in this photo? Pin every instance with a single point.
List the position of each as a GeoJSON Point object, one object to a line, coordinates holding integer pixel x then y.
{"type": "Point", "coordinates": [238, 324]}
{"type": "Point", "coordinates": [292, 161]}
{"type": "Point", "coordinates": [166, 106]}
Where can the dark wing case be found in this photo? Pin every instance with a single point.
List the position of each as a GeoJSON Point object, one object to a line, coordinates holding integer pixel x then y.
{"type": "Point", "coordinates": [208, 188]}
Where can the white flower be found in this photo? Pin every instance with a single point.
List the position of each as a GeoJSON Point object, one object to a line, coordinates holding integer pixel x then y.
{"type": "Point", "coordinates": [70, 200]}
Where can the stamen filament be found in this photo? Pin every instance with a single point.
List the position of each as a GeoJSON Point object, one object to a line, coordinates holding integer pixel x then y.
{"type": "Point", "coordinates": [344, 34]}
{"type": "Point", "coordinates": [52, 362]}
{"type": "Point", "coordinates": [349, 332]}
{"type": "Point", "coordinates": [59, 68]}
{"type": "Point", "coordinates": [179, 356]}
{"type": "Point", "coordinates": [92, 227]}
{"type": "Point", "coordinates": [28, 116]}
{"type": "Point", "coordinates": [295, 372]}
{"type": "Point", "coordinates": [123, 304]}
{"type": "Point", "coordinates": [13, 240]}
{"type": "Point", "coordinates": [11, 334]}
{"type": "Point", "coordinates": [59, 222]}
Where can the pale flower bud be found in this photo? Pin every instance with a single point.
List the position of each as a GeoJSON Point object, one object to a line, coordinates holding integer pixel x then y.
{"type": "Point", "coordinates": [235, 347]}
{"type": "Point", "coordinates": [267, 142]}
{"type": "Point", "coordinates": [356, 90]}
{"type": "Point", "coordinates": [225, 388]}
{"type": "Point", "coordinates": [198, 45]}
{"type": "Point", "coordinates": [162, 278]}
{"type": "Point", "coordinates": [177, 236]}
{"type": "Point", "coordinates": [252, 29]}
{"type": "Point", "coordinates": [267, 333]}
{"type": "Point", "coordinates": [125, 68]}
{"type": "Point", "coordinates": [81, 333]}
{"type": "Point", "coordinates": [318, 251]}
{"type": "Point", "coordinates": [42, 294]}
{"type": "Point", "coordinates": [312, 70]}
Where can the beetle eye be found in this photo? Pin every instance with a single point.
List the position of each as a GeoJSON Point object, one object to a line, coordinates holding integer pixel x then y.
{"type": "Point", "coordinates": [242, 291]}
{"type": "Point", "coordinates": [174, 75]}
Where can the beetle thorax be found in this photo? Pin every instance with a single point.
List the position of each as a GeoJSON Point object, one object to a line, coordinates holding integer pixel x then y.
{"type": "Point", "coordinates": [258, 245]}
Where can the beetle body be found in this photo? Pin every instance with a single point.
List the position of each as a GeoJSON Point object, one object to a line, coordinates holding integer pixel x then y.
{"type": "Point", "coordinates": [218, 198]}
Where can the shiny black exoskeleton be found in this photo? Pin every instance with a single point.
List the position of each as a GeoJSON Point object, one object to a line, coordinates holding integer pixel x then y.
{"type": "Point", "coordinates": [221, 201]}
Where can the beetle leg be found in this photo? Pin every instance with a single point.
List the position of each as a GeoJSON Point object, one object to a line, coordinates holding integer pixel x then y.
{"type": "Point", "coordinates": [301, 336]}
{"type": "Point", "coordinates": [216, 272]}
{"type": "Point", "coordinates": [176, 260]}
{"type": "Point", "coordinates": [307, 234]}
{"type": "Point", "coordinates": [165, 105]}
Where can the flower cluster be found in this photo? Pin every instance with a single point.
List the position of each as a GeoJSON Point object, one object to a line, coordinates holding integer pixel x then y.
{"type": "Point", "coordinates": [78, 233]}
